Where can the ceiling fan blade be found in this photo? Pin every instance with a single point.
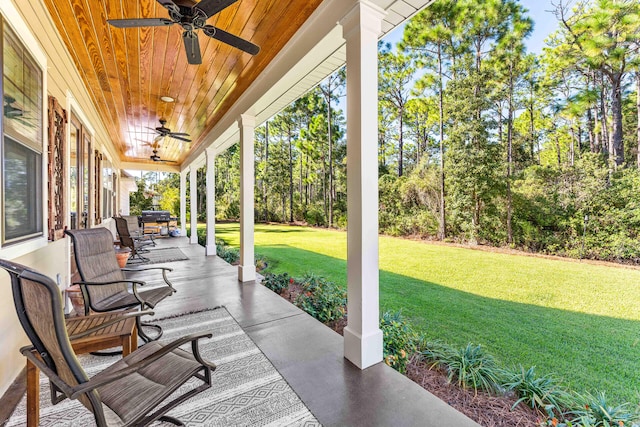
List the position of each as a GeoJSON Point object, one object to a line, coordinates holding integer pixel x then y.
{"type": "Point", "coordinates": [231, 40]}
{"type": "Point", "coordinates": [141, 22]}
{"type": "Point", "coordinates": [179, 137]}
{"type": "Point", "coordinates": [170, 6]}
{"type": "Point", "coordinates": [179, 133]}
{"type": "Point", "coordinates": [155, 130]}
{"type": "Point", "coordinates": [211, 7]}
{"type": "Point", "coordinates": [192, 46]}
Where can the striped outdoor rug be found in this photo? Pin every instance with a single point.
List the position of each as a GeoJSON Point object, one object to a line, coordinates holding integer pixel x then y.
{"type": "Point", "coordinates": [246, 391]}
{"type": "Point", "coordinates": [161, 255]}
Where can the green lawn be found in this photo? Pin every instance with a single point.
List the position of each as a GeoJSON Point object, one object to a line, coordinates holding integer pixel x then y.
{"type": "Point", "coordinates": [576, 320]}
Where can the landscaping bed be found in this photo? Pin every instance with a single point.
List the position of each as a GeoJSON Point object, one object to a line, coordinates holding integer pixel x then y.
{"type": "Point", "coordinates": [467, 379]}
{"type": "Point", "coordinates": [487, 410]}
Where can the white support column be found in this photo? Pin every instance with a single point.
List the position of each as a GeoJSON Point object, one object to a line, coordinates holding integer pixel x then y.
{"type": "Point", "coordinates": [211, 201]}
{"type": "Point", "coordinates": [193, 189]}
{"type": "Point", "coordinates": [247, 268]}
{"type": "Point", "coordinates": [183, 202]}
{"type": "Point", "coordinates": [362, 336]}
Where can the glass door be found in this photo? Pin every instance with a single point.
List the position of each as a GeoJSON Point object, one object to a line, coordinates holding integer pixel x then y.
{"type": "Point", "coordinates": [79, 175]}
{"type": "Point", "coordinates": [79, 183]}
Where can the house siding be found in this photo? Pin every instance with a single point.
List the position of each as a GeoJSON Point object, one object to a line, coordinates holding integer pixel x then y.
{"type": "Point", "coordinates": [62, 80]}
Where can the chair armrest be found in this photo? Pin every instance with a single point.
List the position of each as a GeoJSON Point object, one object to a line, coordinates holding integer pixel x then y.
{"type": "Point", "coordinates": [111, 282]}
{"type": "Point", "coordinates": [111, 322]}
{"type": "Point", "coordinates": [116, 375]}
{"type": "Point", "coordinates": [134, 286]}
{"type": "Point", "coordinates": [28, 352]}
{"type": "Point", "coordinates": [134, 269]}
{"type": "Point", "coordinates": [164, 273]}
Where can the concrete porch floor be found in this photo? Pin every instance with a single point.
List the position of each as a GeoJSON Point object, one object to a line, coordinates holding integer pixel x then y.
{"type": "Point", "coordinates": [307, 354]}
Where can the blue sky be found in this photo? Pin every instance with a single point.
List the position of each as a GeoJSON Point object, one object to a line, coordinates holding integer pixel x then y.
{"type": "Point", "coordinates": [545, 23]}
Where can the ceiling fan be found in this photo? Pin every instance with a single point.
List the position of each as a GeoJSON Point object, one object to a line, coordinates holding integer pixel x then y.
{"type": "Point", "coordinates": [163, 131]}
{"type": "Point", "coordinates": [156, 158]}
{"type": "Point", "coordinates": [192, 16]}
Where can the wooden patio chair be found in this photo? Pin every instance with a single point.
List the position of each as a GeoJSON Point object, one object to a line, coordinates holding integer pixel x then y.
{"type": "Point", "coordinates": [132, 391]}
{"type": "Point", "coordinates": [137, 232]}
{"type": "Point", "coordinates": [104, 284]}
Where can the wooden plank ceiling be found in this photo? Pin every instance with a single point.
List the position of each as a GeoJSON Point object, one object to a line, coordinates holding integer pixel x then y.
{"type": "Point", "coordinates": [127, 70]}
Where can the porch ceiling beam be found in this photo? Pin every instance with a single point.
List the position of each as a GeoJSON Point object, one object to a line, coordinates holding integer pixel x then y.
{"type": "Point", "coordinates": [157, 166]}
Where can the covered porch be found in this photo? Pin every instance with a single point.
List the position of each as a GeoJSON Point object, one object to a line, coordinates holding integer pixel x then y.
{"type": "Point", "coordinates": [308, 354]}
{"type": "Point", "coordinates": [341, 380]}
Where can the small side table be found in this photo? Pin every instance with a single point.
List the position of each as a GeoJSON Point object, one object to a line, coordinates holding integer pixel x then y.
{"type": "Point", "coordinates": [123, 333]}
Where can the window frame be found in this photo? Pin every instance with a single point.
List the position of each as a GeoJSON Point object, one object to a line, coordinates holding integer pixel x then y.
{"type": "Point", "coordinates": [108, 191]}
{"type": "Point", "coordinates": [10, 17]}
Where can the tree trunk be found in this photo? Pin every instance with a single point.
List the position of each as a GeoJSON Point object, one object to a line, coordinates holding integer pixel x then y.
{"type": "Point", "coordinates": [606, 142]}
{"type": "Point", "coordinates": [638, 111]}
{"type": "Point", "coordinates": [330, 137]}
{"type": "Point", "coordinates": [572, 145]}
{"type": "Point", "coordinates": [400, 144]}
{"type": "Point", "coordinates": [579, 139]}
{"type": "Point", "coordinates": [590, 129]}
{"type": "Point", "coordinates": [306, 186]}
{"type": "Point", "coordinates": [616, 111]}
{"type": "Point", "coordinates": [290, 176]}
{"type": "Point", "coordinates": [442, 231]}
{"type": "Point", "coordinates": [532, 129]}
{"type": "Point", "coordinates": [510, 156]}
{"type": "Point", "coordinates": [266, 165]}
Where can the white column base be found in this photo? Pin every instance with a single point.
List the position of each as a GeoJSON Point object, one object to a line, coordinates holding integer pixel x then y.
{"type": "Point", "coordinates": [194, 237]}
{"type": "Point", "coordinates": [246, 273]}
{"type": "Point", "coordinates": [363, 351]}
{"type": "Point", "coordinates": [210, 250]}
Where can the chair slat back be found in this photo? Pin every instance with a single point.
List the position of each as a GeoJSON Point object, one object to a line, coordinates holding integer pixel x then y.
{"type": "Point", "coordinates": [39, 306]}
{"type": "Point", "coordinates": [133, 225]}
{"type": "Point", "coordinates": [97, 262]}
{"type": "Point", "coordinates": [123, 233]}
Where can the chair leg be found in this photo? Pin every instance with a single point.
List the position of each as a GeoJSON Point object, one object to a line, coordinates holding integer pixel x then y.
{"type": "Point", "coordinates": [135, 256]}
{"type": "Point", "coordinates": [171, 420]}
{"type": "Point", "coordinates": [146, 338]}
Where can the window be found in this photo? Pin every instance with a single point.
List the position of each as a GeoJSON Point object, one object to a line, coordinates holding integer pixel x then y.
{"type": "Point", "coordinates": [107, 189]}
{"type": "Point", "coordinates": [22, 141]}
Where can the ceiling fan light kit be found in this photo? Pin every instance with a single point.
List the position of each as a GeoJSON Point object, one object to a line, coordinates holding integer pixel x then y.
{"type": "Point", "coordinates": [192, 16]}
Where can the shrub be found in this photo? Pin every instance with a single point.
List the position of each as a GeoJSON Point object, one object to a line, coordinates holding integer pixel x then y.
{"type": "Point", "coordinates": [261, 262]}
{"type": "Point", "coordinates": [469, 366]}
{"type": "Point", "coordinates": [595, 411]}
{"type": "Point", "coordinates": [322, 299]}
{"type": "Point", "coordinates": [315, 216]}
{"type": "Point", "coordinates": [227, 253]}
{"type": "Point", "coordinates": [536, 392]}
{"type": "Point", "coordinates": [276, 282]}
{"type": "Point", "coordinates": [399, 340]}
{"type": "Point", "coordinates": [202, 236]}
